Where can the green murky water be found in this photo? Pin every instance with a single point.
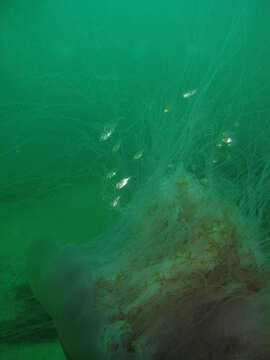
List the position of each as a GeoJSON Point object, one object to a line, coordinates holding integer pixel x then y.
{"type": "Point", "coordinates": [83, 85]}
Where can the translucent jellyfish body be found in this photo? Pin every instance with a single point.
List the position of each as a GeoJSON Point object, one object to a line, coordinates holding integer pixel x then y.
{"type": "Point", "coordinates": [189, 281]}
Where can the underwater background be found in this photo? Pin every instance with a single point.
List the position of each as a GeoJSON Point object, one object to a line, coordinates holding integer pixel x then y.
{"type": "Point", "coordinates": [84, 86]}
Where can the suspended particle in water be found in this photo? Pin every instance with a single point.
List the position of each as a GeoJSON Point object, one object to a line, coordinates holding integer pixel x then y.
{"type": "Point", "coordinates": [111, 174]}
{"type": "Point", "coordinates": [228, 141]}
{"type": "Point", "coordinates": [228, 138]}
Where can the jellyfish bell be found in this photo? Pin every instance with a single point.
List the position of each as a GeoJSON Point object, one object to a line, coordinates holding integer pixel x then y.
{"type": "Point", "coordinates": [65, 287]}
